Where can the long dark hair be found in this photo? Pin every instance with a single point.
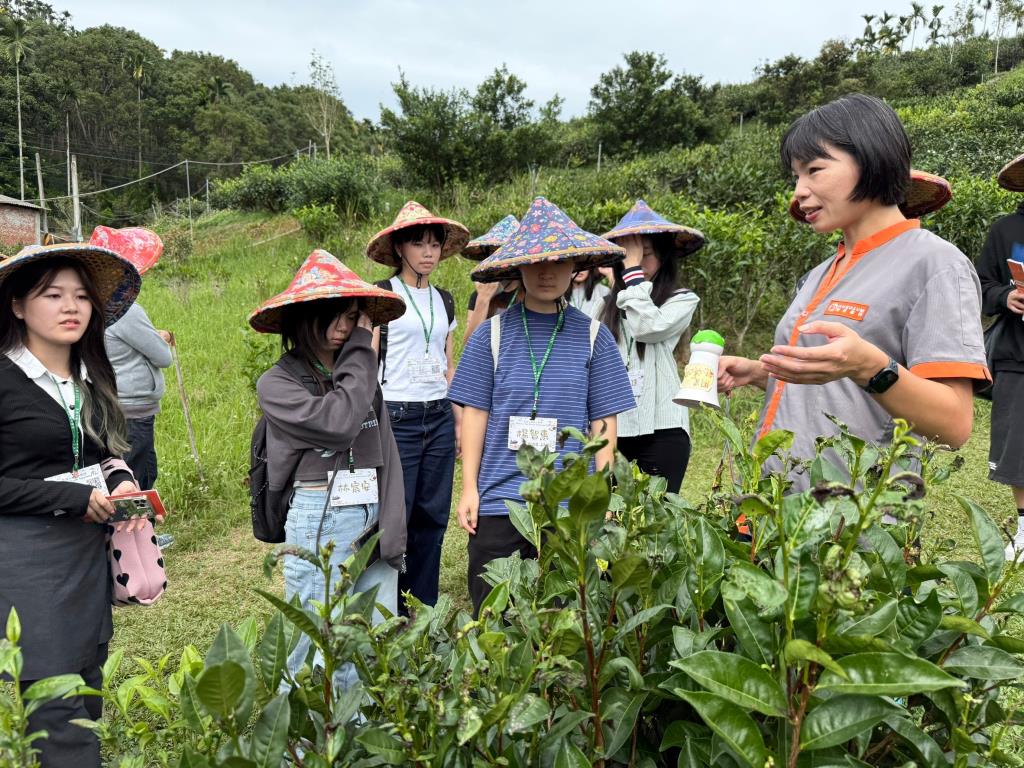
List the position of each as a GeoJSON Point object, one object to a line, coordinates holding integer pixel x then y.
{"type": "Point", "coordinates": [102, 418]}
{"type": "Point", "coordinates": [666, 283]}
{"type": "Point", "coordinates": [408, 234]}
{"type": "Point", "coordinates": [304, 325]}
{"type": "Point", "coordinates": [593, 278]}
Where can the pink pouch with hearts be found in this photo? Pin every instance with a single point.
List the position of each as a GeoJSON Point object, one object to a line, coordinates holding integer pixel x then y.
{"type": "Point", "coordinates": [136, 564]}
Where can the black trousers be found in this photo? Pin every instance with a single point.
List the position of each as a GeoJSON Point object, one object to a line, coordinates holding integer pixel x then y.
{"type": "Point", "coordinates": [68, 745]}
{"type": "Point", "coordinates": [664, 454]}
{"type": "Point", "coordinates": [141, 456]}
{"type": "Point", "coordinates": [495, 537]}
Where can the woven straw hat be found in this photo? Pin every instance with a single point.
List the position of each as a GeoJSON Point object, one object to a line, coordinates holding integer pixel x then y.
{"type": "Point", "coordinates": [642, 220]}
{"type": "Point", "coordinates": [322, 276]}
{"type": "Point", "coordinates": [381, 249]}
{"type": "Point", "coordinates": [483, 246]}
{"type": "Point", "coordinates": [117, 280]}
{"type": "Point", "coordinates": [927, 193]}
{"type": "Point", "coordinates": [142, 247]}
{"type": "Point", "coordinates": [546, 233]}
{"type": "Point", "coordinates": [1011, 176]}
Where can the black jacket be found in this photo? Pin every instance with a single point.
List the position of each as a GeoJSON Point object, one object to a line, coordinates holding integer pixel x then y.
{"type": "Point", "coordinates": [1008, 354]}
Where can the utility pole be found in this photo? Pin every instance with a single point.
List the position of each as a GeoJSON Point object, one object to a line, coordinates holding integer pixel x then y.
{"type": "Point", "coordinates": [207, 194]}
{"type": "Point", "coordinates": [599, 157]}
{"type": "Point", "coordinates": [42, 197]}
{"type": "Point", "coordinates": [314, 151]}
{"type": "Point", "coordinates": [76, 208]}
{"type": "Point", "coordinates": [188, 188]}
{"type": "Point", "coordinates": [67, 147]}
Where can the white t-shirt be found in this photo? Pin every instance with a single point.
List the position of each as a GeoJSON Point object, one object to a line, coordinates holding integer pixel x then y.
{"type": "Point", "coordinates": [582, 303]}
{"type": "Point", "coordinates": [413, 366]}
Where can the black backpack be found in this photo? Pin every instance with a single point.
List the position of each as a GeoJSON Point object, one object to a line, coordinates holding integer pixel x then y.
{"type": "Point", "coordinates": [382, 356]}
{"type": "Point", "coordinates": [270, 508]}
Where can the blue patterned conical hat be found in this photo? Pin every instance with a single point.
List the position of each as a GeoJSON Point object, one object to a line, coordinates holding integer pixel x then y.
{"type": "Point", "coordinates": [483, 246]}
{"type": "Point", "coordinates": [546, 233]}
{"type": "Point", "coordinates": [641, 219]}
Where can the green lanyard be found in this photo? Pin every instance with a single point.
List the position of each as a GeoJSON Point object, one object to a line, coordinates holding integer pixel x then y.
{"type": "Point", "coordinates": [538, 370]}
{"type": "Point", "coordinates": [74, 419]}
{"type": "Point", "coordinates": [427, 333]}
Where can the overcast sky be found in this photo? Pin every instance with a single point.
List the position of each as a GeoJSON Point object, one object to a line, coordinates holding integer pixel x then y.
{"type": "Point", "coordinates": [556, 46]}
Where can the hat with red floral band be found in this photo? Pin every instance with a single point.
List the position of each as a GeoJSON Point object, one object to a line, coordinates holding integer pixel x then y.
{"type": "Point", "coordinates": [642, 220]}
{"type": "Point", "coordinates": [546, 233]}
{"type": "Point", "coordinates": [381, 249]}
{"type": "Point", "coordinates": [142, 247]}
{"type": "Point", "coordinates": [1011, 176]}
{"type": "Point", "coordinates": [116, 279]}
{"type": "Point", "coordinates": [926, 194]}
{"type": "Point", "coordinates": [322, 276]}
{"type": "Point", "coordinates": [483, 246]}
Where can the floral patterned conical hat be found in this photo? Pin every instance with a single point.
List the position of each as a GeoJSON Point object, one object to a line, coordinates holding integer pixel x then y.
{"type": "Point", "coordinates": [142, 247]}
{"type": "Point", "coordinates": [546, 233]}
{"type": "Point", "coordinates": [322, 276]}
{"type": "Point", "coordinates": [483, 246]}
{"type": "Point", "coordinates": [641, 219]}
{"type": "Point", "coordinates": [926, 194]}
{"type": "Point", "coordinates": [381, 249]}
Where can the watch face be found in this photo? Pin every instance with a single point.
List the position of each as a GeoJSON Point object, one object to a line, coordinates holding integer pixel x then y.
{"type": "Point", "coordinates": [884, 379]}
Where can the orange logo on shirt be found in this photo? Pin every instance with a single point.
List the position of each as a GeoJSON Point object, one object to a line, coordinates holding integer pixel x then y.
{"type": "Point", "coordinates": [848, 309]}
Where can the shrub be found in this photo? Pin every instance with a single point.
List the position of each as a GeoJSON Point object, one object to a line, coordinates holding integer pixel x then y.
{"type": "Point", "coordinates": [646, 633]}
{"type": "Point", "coordinates": [318, 221]}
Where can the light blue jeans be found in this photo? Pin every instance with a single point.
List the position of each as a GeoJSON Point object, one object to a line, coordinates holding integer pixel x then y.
{"type": "Point", "coordinates": [342, 525]}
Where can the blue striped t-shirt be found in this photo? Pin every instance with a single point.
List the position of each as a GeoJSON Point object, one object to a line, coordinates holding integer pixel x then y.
{"type": "Point", "coordinates": [575, 388]}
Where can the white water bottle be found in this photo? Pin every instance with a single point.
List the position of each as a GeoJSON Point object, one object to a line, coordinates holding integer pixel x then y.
{"type": "Point", "coordinates": [700, 377]}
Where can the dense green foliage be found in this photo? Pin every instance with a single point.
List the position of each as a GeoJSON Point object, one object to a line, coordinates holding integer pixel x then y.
{"type": "Point", "coordinates": [645, 634]}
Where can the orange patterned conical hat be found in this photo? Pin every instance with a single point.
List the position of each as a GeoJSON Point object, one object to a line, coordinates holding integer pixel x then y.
{"type": "Point", "coordinates": [322, 276]}
{"type": "Point", "coordinates": [381, 249]}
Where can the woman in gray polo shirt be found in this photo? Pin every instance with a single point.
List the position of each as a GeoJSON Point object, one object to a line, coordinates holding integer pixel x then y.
{"type": "Point", "coordinates": [887, 328]}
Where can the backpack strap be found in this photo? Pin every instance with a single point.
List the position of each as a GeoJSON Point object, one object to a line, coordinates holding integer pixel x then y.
{"type": "Point", "coordinates": [449, 304]}
{"type": "Point", "coordinates": [382, 353]}
{"type": "Point", "coordinates": [495, 322]}
{"type": "Point", "coordinates": [301, 372]}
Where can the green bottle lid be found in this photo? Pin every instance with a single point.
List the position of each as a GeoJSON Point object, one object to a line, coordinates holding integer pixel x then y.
{"type": "Point", "coordinates": [708, 337]}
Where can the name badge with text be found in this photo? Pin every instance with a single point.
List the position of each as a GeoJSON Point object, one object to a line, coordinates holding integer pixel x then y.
{"type": "Point", "coordinates": [426, 371]}
{"type": "Point", "coordinates": [636, 381]}
{"type": "Point", "coordinates": [91, 475]}
{"type": "Point", "coordinates": [353, 489]}
{"type": "Point", "coordinates": [539, 433]}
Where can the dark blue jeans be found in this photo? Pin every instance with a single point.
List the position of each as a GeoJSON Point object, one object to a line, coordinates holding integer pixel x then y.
{"type": "Point", "coordinates": [141, 455]}
{"type": "Point", "coordinates": [425, 433]}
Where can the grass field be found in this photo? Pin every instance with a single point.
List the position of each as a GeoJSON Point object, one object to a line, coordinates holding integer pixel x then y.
{"type": "Point", "coordinates": [205, 297]}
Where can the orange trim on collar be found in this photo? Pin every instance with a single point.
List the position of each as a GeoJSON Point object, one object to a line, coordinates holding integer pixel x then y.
{"type": "Point", "coordinates": [839, 268]}
{"type": "Point", "coordinates": [951, 370]}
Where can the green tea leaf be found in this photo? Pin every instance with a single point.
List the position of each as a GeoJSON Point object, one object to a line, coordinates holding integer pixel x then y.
{"type": "Point", "coordinates": [1014, 604]}
{"type": "Point", "coordinates": [983, 662]}
{"type": "Point", "coordinates": [736, 679]}
{"type": "Point", "coordinates": [927, 750]}
{"type": "Point", "coordinates": [841, 718]}
{"type": "Point", "coordinates": [273, 652]}
{"type": "Point", "coordinates": [379, 742]}
{"type": "Point", "coordinates": [270, 735]}
{"type": "Point", "coordinates": [220, 688]}
{"type": "Point", "coordinates": [527, 712]}
{"type": "Point", "coordinates": [887, 674]}
{"type": "Point", "coordinates": [964, 625]}
{"type": "Point", "coordinates": [624, 724]}
{"type": "Point", "coordinates": [803, 650]}
{"type": "Point", "coordinates": [756, 637]}
{"type": "Point", "coordinates": [496, 600]}
{"type": "Point", "coordinates": [571, 756]}
{"type": "Point", "coordinates": [590, 502]}
{"type": "Point", "coordinates": [987, 537]}
{"type": "Point", "coordinates": [776, 440]}
{"type": "Point", "coordinates": [766, 592]}
{"type": "Point", "coordinates": [731, 724]}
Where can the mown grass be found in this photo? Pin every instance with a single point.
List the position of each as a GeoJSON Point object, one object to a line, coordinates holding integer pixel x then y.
{"type": "Point", "coordinates": [205, 296]}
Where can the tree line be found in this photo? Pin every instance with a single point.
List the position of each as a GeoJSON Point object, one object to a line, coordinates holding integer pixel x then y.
{"type": "Point", "coordinates": [126, 108]}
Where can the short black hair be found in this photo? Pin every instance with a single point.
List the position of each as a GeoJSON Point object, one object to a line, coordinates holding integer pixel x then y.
{"type": "Point", "coordinates": [304, 325]}
{"type": "Point", "coordinates": [865, 127]}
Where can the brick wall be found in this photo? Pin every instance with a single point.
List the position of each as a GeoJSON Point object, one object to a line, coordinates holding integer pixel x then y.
{"type": "Point", "coordinates": [18, 226]}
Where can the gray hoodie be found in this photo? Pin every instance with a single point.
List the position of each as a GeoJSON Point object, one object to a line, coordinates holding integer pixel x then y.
{"type": "Point", "coordinates": [137, 353]}
{"type": "Point", "coordinates": [349, 415]}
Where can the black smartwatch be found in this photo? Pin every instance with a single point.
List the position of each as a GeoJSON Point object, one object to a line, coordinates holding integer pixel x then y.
{"type": "Point", "coordinates": [884, 379]}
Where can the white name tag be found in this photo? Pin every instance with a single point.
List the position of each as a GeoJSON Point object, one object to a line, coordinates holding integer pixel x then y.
{"type": "Point", "coordinates": [353, 489]}
{"type": "Point", "coordinates": [91, 475]}
{"type": "Point", "coordinates": [426, 370]}
{"type": "Point", "coordinates": [539, 433]}
{"type": "Point", "coordinates": [636, 382]}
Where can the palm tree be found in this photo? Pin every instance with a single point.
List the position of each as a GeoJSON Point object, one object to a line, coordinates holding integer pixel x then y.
{"type": "Point", "coordinates": [935, 33]}
{"type": "Point", "coordinates": [14, 38]}
{"type": "Point", "coordinates": [138, 67]}
{"type": "Point", "coordinates": [985, 5]}
{"type": "Point", "coordinates": [218, 89]}
{"type": "Point", "coordinates": [916, 17]}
